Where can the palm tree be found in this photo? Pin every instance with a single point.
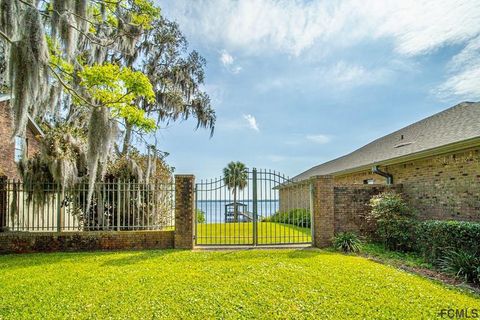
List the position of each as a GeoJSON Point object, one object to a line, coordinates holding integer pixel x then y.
{"type": "Point", "coordinates": [235, 177]}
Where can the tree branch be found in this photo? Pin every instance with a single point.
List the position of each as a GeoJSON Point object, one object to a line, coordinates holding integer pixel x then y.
{"type": "Point", "coordinates": [91, 39]}
{"type": "Point", "coordinates": [4, 36]}
{"type": "Point", "coordinates": [70, 89]}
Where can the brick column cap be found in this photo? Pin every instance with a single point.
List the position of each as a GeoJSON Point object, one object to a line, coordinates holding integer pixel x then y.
{"type": "Point", "coordinates": [185, 175]}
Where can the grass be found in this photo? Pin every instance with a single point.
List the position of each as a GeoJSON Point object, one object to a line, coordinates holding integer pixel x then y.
{"type": "Point", "coordinates": [248, 284]}
{"type": "Point", "coordinates": [409, 259]}
{"type": "Point", "coordinates": [242, 233]}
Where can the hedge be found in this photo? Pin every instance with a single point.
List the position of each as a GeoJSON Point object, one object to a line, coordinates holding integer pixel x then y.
{"type": "Point", "coordinates": [434, 238]}
{"type": "Point", "coordinates": [297, 217]}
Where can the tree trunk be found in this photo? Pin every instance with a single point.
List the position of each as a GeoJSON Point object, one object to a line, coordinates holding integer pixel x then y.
{"type": "Point", "coordinates": [128, 137]}
{"type": "Point", "coordinates": [235, 209]}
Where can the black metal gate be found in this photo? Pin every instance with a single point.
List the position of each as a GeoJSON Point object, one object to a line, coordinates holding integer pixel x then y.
{"type": "Point", "coordinates": [257, 207]}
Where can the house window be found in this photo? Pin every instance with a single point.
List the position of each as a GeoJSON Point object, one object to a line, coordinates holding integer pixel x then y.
{"type": "Point", "coordinates": [368, 181]}
{"type": "Point", "coordinates": [20, 146]}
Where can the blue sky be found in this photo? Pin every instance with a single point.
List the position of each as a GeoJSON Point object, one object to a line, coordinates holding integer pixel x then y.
{"type": "Point", "coordinates": [297, 83]}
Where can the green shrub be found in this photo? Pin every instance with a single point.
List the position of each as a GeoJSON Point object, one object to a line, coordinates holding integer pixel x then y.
{"type": "Point", "coordinates": [454, 246]}
{"type": "Point", "coordinates": [298, 217]}
{"type": "Point", "coordinates": [389, 206]}
{"type": "Point", "coordinates": [395, 223]}
{"type": "Point", "coordinates": [200, 216]}
{"type": "Point", "coordinates": [462, 264]}
{"type": "Point", "coordinates": [397, 234]}
{"type": "Point", "coordinates": [347, 242]}
{"type": "Point", "coordinates": [435, 238]}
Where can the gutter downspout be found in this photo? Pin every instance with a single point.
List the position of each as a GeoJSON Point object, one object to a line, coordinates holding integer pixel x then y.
{"type": "Point", "coordinates": [388, 176]}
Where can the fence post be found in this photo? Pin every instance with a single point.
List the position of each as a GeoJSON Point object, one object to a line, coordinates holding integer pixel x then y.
{"type": "Point", "coordinates": [184, 211]}
{"type": "Point", "coordinates": [323, 210]}
{"type": "Point", "coordinates": [59, 209]}
{"type": "Point", "coordinates": [255, 207]}
{"type": "Point", "coordinates": [119, 184]}
{"type": "Point", "coordinates": [3, 203]}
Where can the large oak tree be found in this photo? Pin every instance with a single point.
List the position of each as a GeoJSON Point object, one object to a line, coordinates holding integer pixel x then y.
{"type": "Point", "coordinates": [96, 73]}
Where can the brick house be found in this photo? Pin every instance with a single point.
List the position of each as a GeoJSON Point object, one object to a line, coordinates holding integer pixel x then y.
{"type": "Point", "coordinates": [11, 150]}
{"type": "Point", "coordinates": [436, 162]}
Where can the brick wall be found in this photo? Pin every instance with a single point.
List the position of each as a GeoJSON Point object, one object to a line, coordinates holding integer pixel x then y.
{"type": "Point", "coordinates": [351, 205]}
{"type": "Point", "coordinates": [7, 149]}
{"type": "Point", "coordinates": [440, 187]}
{"type": "Point", "coordinates": [456, 166]}
{"type": "Point", "coordinates": [23, 242]}
{"type": "Point", "coordinates": [8, 167]}
{"type": "Point", "coordinates": [341, 208]}
{"type": "Point", "coordinates": [33, 143]}
{"type": "Point", "coordinates": [323, 211]}
{"type": "Point", "coordinates": [184, 211]}
{"type": "Point", "coordinates": [180, 238]}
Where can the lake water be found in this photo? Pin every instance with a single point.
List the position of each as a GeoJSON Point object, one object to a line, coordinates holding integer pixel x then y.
{"type": "Point", "coordinates": [215, 209]}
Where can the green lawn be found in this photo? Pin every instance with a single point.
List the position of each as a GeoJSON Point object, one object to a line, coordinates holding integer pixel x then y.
{"type": "Point", "coordinates": [242, 233]}
{"type": "Point", "coordinates": [409, 259]}
{"type": "Point", "coordinates": [262, 284]}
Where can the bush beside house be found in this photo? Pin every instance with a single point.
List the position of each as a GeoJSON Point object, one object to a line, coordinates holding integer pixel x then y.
{"type": "Point", "coordinates": [394, 222]}
{"type": "Point", "coordinates": [434, 238]}
{"type": "Point", "coordinates": [452, 246]}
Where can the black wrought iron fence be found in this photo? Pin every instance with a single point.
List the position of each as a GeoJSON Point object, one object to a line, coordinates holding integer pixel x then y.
{"type": "Point", "coordinates": [114, 206]}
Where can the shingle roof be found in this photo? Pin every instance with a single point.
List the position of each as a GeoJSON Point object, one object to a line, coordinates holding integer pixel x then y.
{"type": "Point", "coordinates": [458, 123]}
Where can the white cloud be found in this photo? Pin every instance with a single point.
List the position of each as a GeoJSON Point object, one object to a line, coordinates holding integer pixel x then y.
{"type": "Point", "coordinates": [465, 85]}
{"type": "Point", "coordinates": [342, 72]}
{"type": "Point", "coordinates": [252, 122]}
{"type": "Point", "coordinates": [247, 121]}
{"type": "Point", "coordinates": [342, 75]}
{"type": "Point", "coordinates": [464, 74]}
{"type": "Point", "coordinates": [226, 58]}
{"type": "Point", "coordinates": [353, 74]}
{"type": "Point", "coordinates": [228, 62]}
{"type": "Point", "coordinates": [348, 74]}
{"type": "Point", "coordinates": [319, 138]}
{"type": "Point", "coordinates": [416, 27]}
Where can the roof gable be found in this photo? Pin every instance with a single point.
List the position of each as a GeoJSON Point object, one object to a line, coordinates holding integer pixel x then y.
{"type": "Point", "coordinates": [31, 124]}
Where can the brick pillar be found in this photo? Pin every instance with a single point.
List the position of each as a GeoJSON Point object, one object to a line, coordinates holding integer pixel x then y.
{"type": "Point", "coordinates": [323, 211]}
{"type": "Point", "coordinates": [184, 211]}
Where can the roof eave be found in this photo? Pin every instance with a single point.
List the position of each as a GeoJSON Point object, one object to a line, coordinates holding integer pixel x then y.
{"type": "Point", "coordinates": [4, 97]}
{"type": "Point", "coordinates": [35, 127]}
{"type": "Point", "coordinates": [448, 148]}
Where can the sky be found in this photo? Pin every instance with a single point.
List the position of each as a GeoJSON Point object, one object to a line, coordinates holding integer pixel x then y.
{"type": "Point", "coordinates": [298, 83]}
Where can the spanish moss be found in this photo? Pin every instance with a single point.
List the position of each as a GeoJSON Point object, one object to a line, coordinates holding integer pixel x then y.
{"type": "Point", "coordinates": [9, 17]}
{"type": "Point", "coordinates": [29, 85]}
{"type": "Point", "coordinates": [101, 133]}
